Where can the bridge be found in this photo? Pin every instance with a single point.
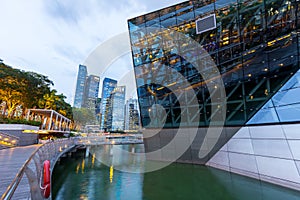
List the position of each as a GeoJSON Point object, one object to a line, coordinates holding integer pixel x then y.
{"type": "Point", "coordinates": [28, 160]}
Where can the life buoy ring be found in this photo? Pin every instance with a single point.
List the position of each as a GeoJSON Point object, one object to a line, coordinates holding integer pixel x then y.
{"type": "Point", "coordinates": [45, 184]}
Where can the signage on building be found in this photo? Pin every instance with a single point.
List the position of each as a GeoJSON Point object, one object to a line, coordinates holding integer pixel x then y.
{"type": "Point", "coordinates": [206, 23]}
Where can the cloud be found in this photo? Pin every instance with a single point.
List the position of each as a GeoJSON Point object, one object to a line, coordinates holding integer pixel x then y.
{"type": "Point", "coordinates": [53, 37]}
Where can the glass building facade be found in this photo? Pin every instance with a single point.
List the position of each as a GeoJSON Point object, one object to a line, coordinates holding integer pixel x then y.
{"type": "Point", "coordinates": [91, 91]}
{"type": "Point", "coordinates": [81, 77]}
{"type": "Point", "coordinates": [283, 107]}
{"type": "Point", "coordinates": [131, 115]}
{"type": "Point", "coordinates": [254, 44]}
{"type": "Point", "coordinates": [118, 109]}
{"type": "Point", "coordinates": [105, 110]}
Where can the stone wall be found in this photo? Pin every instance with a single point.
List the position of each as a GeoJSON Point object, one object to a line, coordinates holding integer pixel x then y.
{"type": "Point", "coordinates": [268, 153]}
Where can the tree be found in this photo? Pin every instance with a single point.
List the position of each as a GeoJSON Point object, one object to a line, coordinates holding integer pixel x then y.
{"type": "Point", "coordinates": [29, 90]}
{"type": "Point", "coordinates": [49, 100]}
{"type": "Point", "coordinates": [37, 86]}
{"type": "Point", "coordinates": [12, 88]}
{"type": "Point", "coordinates": [83, 116]}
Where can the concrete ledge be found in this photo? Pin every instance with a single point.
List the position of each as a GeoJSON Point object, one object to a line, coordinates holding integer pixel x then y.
{"type": "Point", "coordinates": [6, 127]}
{"type": "Point", "coordinates": [16, 130]}
{"type": "Point", "coordinates": [273, 180]}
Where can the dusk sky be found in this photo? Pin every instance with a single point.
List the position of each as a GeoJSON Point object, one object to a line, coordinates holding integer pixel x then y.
{"type": "Point", "coordinates": [53, 37]}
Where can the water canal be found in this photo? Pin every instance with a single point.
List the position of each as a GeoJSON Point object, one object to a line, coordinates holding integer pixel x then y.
{"type": "Point", "coordinates": [78, 177]}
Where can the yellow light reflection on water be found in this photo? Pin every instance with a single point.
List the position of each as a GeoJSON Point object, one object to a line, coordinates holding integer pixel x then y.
{"type": "Point", "coordinates": [93, 160]}
{"type": "Point", "coordinates": [82, 166]}
{"type": "Point", "coordinates": [111, 173]}
{"type": "Point", "coordinates": [83, 197]}
{"type": "Point", "coordinates": [77, 168]}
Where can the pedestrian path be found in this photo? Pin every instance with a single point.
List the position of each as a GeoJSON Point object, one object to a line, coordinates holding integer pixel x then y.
{"type": "Point", "coordinates": [11, 161]}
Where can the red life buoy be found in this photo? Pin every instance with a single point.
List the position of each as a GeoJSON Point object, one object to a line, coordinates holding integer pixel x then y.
{"type": "Point", "coordinates": [45, 184]}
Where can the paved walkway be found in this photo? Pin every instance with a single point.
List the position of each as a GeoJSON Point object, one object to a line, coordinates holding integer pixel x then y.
{"type": "Point", "coordinates": [11, 161]}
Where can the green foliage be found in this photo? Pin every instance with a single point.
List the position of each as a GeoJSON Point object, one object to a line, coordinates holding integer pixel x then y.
{"type": "Point", "coordinates": [83, 116]}
{"type": "Point", "coordinates": [18, 121]}
{"type": "Point", "coordinates": [29, 90]}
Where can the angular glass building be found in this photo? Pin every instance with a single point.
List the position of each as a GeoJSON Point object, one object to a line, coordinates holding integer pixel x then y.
{"type": "Point", "coordinates": [81, 77]}
{"type": "Point", "coordinates": [255, 46]}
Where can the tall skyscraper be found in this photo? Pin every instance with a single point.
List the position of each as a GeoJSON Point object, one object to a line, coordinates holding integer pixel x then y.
{"type": "Point", "coordinates": [81, 77]}
{"type": "Point", "coordinates": [131, 115]}
{"type": "Point", "coordinates": [118, 101]}
{"type": "Point", "coordinates": [91, 92]}
{"type": "Point", "coordinates": [105, 109]}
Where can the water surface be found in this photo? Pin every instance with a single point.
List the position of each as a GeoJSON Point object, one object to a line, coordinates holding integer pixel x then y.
{"type": "Point", "coordinates": [88, 178]}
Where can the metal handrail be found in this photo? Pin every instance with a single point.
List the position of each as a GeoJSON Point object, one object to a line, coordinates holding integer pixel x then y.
{"type": "Point", "coordinates": [13, 186]}
{"type": "Point", "coordinates": [53, 149]}
{"type": "Point", "coordinates": [8, 194]}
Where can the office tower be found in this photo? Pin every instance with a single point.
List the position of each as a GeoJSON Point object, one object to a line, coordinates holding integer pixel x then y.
{"type": "Point", "coordinates": [105, 109]}
{"type": "Point", "coordinates": [97, 107]}
{"type": "Point", "coordinates": [91, 92]}
{"type": "Point", "coordinates": [131, 115]}
{"type": "Point", "coordinates": [117, 105]}
{"type": "Point", "coordinates": [81, 78]}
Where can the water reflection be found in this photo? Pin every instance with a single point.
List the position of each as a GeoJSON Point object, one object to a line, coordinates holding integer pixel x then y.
{"type": "Point", "coordinates": [122, 157]}
{"type": "Point", "coordinates": [87, 178]}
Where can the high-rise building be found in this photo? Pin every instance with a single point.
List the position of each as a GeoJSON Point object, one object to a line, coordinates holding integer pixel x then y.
{"type": "Point", "coordinates": [117, 106]}
{"type": "Point", "coordinates": [81, 78]}
{"type": "Point", "coordinates": [105, 109]}
{"type": "Point", "coordinates": [98, 106]}
{"type": "Point", "coordinates": [248, 47]}
{"type": "Point", "coordinates": [131, 115]}
{"type": "Point", "coordinates": [91, 92]}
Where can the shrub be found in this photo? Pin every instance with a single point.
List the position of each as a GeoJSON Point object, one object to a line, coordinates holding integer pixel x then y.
{"type": "Point", "coordinates": [19, 121]}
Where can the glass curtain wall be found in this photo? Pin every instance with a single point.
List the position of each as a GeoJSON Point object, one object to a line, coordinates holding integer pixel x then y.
{"type": "Point", "coordinates": [255, 46]}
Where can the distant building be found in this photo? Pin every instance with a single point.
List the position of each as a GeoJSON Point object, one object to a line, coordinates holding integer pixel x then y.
{"type": "Point", "coordinates": [97, 107]}
{"type": "Point", "coordinates": [131, 115]}
{"type": "Point", "coordinates": [81, 78]}
{"type": "Point", "coordinates": [105, 109]}
{"type": "Point", "coordinates": [91, 92]}
{"type": "Point", "coordinates": [117, 105]}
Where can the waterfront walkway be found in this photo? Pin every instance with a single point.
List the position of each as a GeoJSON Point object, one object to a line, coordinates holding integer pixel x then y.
{"type": "Point", "coordinates": [11, 161]}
